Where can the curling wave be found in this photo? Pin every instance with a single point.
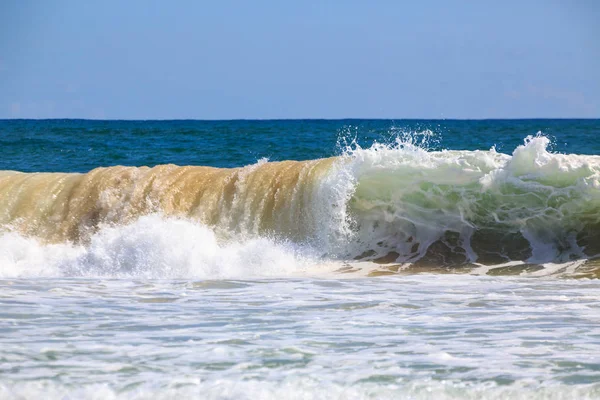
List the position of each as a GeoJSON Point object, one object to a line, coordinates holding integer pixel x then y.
{"type": "Point", "coordinates": [389, 203]}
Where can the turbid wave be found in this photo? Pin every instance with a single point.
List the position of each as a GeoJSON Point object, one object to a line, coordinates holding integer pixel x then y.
{"type": "Point", "coordinates": [257, 199]}
{"type": "Point", "coordinates": [397, 203]}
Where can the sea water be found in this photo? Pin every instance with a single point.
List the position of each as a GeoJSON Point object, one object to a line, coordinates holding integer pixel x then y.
{"type": "Point", "coordinates": [409, 259]}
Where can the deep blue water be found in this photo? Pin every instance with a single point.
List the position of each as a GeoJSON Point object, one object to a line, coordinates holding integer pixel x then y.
{"type": "Point", "coordinates": [81, 145]}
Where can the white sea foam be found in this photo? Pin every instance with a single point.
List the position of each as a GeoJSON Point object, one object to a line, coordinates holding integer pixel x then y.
{"type": "Point", "coordinates": [415, 337]}
{"type": "Point", "coordinates": [151, 247]}
{"type": "Point", "coordinates": [303, 388]}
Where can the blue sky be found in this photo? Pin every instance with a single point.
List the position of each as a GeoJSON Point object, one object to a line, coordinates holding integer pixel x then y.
{"type": "Point", "coordinates": [299, 59]}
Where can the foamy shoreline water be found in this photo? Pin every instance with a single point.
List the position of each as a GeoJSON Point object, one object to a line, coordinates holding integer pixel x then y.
{"type": "Point", "coordinates": [420, 336]}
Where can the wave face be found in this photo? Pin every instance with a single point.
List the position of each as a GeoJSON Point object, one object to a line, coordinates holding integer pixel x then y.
{"type": "Point", "coordinates": [264, 198]}
{"type": "Point", "coordinates": [387, 203]}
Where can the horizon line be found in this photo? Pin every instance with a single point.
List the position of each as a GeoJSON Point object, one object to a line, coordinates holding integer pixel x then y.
{"type": "Point", "coordinates": [295, 119]}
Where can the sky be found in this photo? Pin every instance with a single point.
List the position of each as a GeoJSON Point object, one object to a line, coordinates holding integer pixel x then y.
{"type": "Point", "coordinates": [267, 59]}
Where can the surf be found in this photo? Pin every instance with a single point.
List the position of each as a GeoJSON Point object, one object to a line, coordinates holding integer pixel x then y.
{"type": "Point", "coordinates": [395, 204]}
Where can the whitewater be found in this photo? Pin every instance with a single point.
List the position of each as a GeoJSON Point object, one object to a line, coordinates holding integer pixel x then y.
{"type": "Point", "coordinates": [397, 205]}
{"type": "Point", "coordinates": [389, 270]}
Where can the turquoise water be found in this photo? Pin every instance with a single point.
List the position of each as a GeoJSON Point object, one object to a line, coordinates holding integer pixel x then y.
{"type": "Point", "coordinates": [499, 300]}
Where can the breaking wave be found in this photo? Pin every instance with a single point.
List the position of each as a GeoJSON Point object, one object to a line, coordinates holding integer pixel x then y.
{"type": "Point", "coordinates": [397, 203]}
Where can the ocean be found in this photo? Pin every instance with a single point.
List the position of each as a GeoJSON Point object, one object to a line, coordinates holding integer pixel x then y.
{"type": "Point", "coordinates": [300, 259]}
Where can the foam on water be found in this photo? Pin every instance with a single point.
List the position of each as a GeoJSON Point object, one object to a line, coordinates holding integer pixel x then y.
{"type": "Point", "coordinates": [159, 247]}
{"type": "Point", "coordinates": [151, 247]}
{"type": "Point", "coordinates": [302, 389]}
{"type": "Point", "coordinates": [419, 336]}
